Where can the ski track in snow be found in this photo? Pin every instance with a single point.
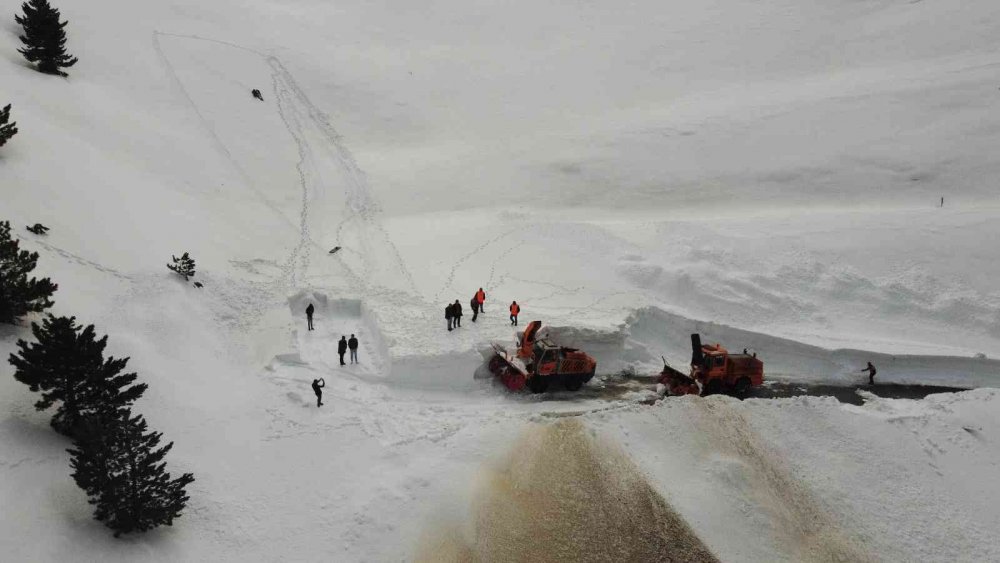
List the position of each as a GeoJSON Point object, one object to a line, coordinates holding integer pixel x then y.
{"type": "Point", "coordinates": [76, 258]}
{"type": "Point", "coordinates": [296, 110]}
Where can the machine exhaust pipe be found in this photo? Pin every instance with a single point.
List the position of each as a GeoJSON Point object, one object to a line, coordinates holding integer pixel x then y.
{"type": "Point", "coordinates": [697, 358]}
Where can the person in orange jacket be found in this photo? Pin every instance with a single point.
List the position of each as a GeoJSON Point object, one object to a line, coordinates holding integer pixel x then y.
{"type": "Point", "coordinates": [514, 310]}
{"type": "Point", "coordinates": [481, 297]}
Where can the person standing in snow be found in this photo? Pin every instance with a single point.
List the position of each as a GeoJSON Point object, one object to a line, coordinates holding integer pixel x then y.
{"type": "Point", "coordinates": [514, 310]}
{"type": "Point", "coordinates": [342, 348]}
{"type": "Point", "coordinates": [475, 308]}
{"type": "Point", "coordinates": [309, 315]}
{"type": "Point", "coordinates": [449, 314]}
{"type": "Point", "coordinates": [456, 311]}
{"type": "Point", "coordinates": [353, 345]}
{"type": "Point", "coordinates": [318, 385]}
{"type": "Point", "coordinates": [481, 298]}
{"type": "Point", "coordinates": [871, 373]}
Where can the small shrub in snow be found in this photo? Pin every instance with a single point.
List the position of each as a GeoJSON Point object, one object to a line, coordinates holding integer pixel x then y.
{"type": "Point", "coordinates": [68, 367]}
{"type": "Point", "coordinates": [183, 265]}
{"type": "Point", "coordinates": [18, 294]}
{"type": "Point", "coordinates": [7, 129]}
{"type": "Point", "coordinates": [44, 37]}
{"type": "Point", "coordinates": [120, 467]}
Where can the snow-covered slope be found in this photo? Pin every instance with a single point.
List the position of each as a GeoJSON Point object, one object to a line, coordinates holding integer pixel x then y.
{"type": "Point", "coordinates": [765, 172]}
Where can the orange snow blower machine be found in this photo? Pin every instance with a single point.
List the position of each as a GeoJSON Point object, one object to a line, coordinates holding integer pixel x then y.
{"type": "Point", "coordinates": [714, 370]}
{"type": "Point", "coordinates": [538, 363]}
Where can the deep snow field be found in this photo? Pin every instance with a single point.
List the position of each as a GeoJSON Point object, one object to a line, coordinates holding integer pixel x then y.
{"type": "Point", "coordinates": [765, 172]}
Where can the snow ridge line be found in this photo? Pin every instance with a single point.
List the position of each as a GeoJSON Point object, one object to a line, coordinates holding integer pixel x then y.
{"type": "Point", "coordinates": [805, 526]}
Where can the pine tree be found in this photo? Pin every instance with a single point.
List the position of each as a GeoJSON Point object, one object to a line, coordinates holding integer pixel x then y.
{"type": "Point", "coordinates": [183, 265]}
{"type": "Point", "coordinates": [120, 467]}
{"type": "Point", "coordinates": [44, 37]}
{"type": "Point", "coordinates": [7, 130]}
{"type": "Point", "coordinates": [67, 365]}
{"type": "Point", "coordinates": [19, 295]}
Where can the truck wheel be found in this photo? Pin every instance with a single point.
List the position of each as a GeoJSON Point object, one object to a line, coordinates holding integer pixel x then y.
{"type": "Point", "coordinates": [713, 387]}
{"type": "Point", "coordinates": [538, 384]}
{"type": "Point", "coordinates": [742, 387]}
{"type": "Point", "coordinates": [574, 384]}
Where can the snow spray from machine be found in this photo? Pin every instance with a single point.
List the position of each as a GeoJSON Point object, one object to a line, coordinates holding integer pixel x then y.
{"type": "Point", "coordinates": [562, 495]}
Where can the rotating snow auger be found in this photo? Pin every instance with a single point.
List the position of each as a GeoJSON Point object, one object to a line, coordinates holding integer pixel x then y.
{"type": "Point", "coordinates": [537, 363]}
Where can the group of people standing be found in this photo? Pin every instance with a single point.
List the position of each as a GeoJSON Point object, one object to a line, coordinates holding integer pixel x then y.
{"type": "Point", "coordinates": [343, 346]}
{"type": "Point", "coordinates": [453, 311]}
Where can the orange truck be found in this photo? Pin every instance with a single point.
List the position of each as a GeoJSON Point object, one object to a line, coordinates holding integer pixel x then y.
{"type": "Point", "coordinates": [537, 363]}
{"type": "Point", "coordinates": [714, 370]}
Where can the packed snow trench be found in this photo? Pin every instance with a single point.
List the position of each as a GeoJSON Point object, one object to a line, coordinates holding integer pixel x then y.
{"type": "Point", "coordinates": [767, 174]}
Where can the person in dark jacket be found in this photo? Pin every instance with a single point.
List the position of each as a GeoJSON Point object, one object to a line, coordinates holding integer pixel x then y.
{"type": "Point", "coordinates": [449, 314]}
{"type": "Point", "coordinates": [318, 385]}
{"type": "Point", "coordinates": [342, 348]}
{"type": "Point", "coordinates": [309, 315]}
{"type": "Point", "coordinates": [514, 310]}
{"type": "Point", "coordinates": [871, 373]}
{"type": "Point", "coordinates": [475, 308]}
{"type": "Point", "coordinates": [353, 345]}
{"type": "Point", "coordinates": [456, 311]}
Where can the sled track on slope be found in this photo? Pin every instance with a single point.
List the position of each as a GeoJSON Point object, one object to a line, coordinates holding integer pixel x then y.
{"type": "Point", "coordinates": [295, 108]}
{"type": "Point", "coordinates": [80, 260]}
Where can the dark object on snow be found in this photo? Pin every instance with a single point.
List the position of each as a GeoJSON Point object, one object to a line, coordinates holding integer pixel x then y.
{"type": "Point", "coordinates": [352, 344]}
{"type": "Point", "coordinates": [120, 467]}
{"type": "Point", "coordinates": [475, 308]}
{"type": "Point", "coordinates": [515, 309]}
{"type": "Point", "coordinates": [456, 311]}
{"type": "Point", "coordinates": [20, 295]}
{"type": "Point", "coordinates": [67, 365]}
{"type": "Point", "coordinates": [7, 130]}
{"type": "Point", "coordinates": [38, 229]}
{"type": "Point", "coordinates": [871, 373]}
{"type": "Point", "coordinates": [318, 385]}
{"type": "Point", "coordinates": [198, 285]}
{"type": "Point", "coordinates": [183, 265]}
{"type": "Point", "coordinates": [449, 315]}
{"type": "Point", "coordinates": [309, 316]}
{"type": "Point", "coordinates": [334, 250]}
{"type": "Point", "coordinates": [44, 37]}
{"type": "Point", "coordinates": [342, 349]}
{"type": "Point", "coordinates": [256, 93]}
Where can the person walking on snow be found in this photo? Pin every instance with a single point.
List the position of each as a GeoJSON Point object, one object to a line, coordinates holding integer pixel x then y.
{"type": "Point", "coordinates": [353, 345]}
{"type": "Point", "coordinates": [456, 311]}
{"type": "Point", "coordinates": [309, 315]}
{"type": "Point", "coordinates": [449, 314]}
{"type": "Point", "coordinates": [318, 385]}
{"type": "Point", "coordinates": [342, 348]}
{"type": "Point", "coordinates": [481, 298]}
{"type": "Point", "coordinates": [871, 373]}
{"type": "Point", "coordinates": [514, 310]}
{"type": "Point", "coordinates": [475, 308]}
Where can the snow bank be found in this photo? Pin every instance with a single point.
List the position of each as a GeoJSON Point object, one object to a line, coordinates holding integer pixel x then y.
{"type": "Point", "coordinates": [652, 332]}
